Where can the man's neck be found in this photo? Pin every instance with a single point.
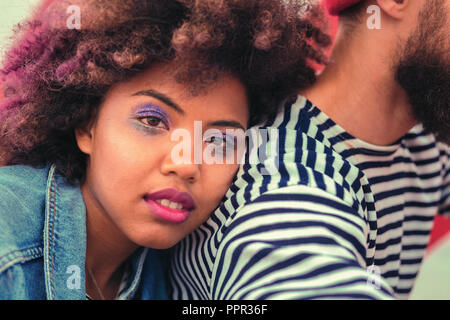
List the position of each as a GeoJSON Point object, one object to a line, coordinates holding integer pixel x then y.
{"type": "Point", "coordinates": [358, 91]}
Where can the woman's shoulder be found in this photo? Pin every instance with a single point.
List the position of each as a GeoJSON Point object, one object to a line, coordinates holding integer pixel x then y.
{"type": "Point", "coordinates": [10, 175]}
{"type": "Point", "coordinates": [22, 188]}
{"type": "Point", "coordinates": [22, 207]}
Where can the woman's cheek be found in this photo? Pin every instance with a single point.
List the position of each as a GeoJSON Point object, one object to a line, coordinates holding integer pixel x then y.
{"type": "Point", "coordinates": [221, 176]}
{"type": "Point", "coordinates": [129, 147]}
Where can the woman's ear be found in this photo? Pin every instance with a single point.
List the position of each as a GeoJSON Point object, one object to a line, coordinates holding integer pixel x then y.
{"type": "Point", "coordinates": [394, 8]}
{"type": "Point", "coordinates": [85, 137]}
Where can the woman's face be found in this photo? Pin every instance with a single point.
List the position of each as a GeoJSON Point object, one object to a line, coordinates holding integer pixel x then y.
{"type": "Point", "coordinates": [136, 165]}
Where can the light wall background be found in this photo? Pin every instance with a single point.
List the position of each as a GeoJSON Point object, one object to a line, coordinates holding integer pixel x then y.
{"type": "Point", "coordinates": [11, 13]}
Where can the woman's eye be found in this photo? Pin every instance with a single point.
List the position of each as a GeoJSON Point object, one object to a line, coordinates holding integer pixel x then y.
{"type": "Point", "coordinates": [222, 143]}
{"type": "Point", "coordinates": [216, 140]}
{"type": "Point", "coordinates": [153, 122]}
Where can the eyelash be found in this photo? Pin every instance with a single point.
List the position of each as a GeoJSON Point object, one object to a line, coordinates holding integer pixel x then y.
{"type": "Point", "coordinates": [161, 121]}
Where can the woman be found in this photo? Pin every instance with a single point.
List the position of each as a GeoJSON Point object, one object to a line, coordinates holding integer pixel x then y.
{"type": "Point", "coordinates": [92, 186]}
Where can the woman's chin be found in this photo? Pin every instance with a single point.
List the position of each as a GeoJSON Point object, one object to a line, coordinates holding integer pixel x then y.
{"type": "Point", "coordinates": [159, 240]}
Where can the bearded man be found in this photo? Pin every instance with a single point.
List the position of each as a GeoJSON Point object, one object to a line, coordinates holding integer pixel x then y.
{"type": "Point", "coordinates": [364, 166]}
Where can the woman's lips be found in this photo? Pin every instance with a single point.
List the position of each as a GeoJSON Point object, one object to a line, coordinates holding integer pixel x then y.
{"type": "Point", "coordinates": [158, 203]}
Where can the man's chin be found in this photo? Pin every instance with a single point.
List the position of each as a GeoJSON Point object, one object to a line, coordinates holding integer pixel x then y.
{"type": "Point", "coordinates": [423, 70]}
{"type": "Point", "coordinates": [438, 127]}
{"type": "Point", "coordinates": [427, 85]}
{"type": "Point", "coordinates": [435, 117]}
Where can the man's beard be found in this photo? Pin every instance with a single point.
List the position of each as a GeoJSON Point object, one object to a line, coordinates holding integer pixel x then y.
{"type": "Point", "coordinates": [423, 70]}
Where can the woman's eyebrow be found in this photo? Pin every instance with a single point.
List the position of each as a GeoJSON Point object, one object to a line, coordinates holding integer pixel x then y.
{"type": "Point", "coordinates": [227, 123]}
{"type": "Point", "coordinates": [162, 97]}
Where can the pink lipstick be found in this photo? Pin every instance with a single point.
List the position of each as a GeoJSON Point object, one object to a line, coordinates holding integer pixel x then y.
{"type": "Point", "coordinates": [170, 205]}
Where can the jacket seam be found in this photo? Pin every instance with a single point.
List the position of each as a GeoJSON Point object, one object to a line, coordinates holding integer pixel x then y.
{"type": "Point", "coordinates": [52, 227]}
{"type": "Point", "coordinates": [52, 209]}
{"type": "Point", "coordinates": [48, 233]}
{"type": "Point", "coordinates": [20, 256]}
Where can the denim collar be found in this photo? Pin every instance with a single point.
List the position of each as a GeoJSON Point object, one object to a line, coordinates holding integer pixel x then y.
{"type": "Point", "coordinates": [65, 243]}
{"type": "Point", "coordinates": [64, 239]}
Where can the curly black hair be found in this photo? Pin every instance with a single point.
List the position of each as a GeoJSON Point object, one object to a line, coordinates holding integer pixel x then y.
{"type": "Point", "coordinates": [54, 77]}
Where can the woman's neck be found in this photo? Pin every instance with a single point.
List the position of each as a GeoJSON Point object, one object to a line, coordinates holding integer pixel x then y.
{"type": "Point", "coordinates": [106, 250]}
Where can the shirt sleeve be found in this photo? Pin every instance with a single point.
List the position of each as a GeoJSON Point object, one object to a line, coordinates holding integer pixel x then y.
{"type": "Point", "coordinates": [444, 206]}
{"type": "Point", "coordinates": [296, 242]}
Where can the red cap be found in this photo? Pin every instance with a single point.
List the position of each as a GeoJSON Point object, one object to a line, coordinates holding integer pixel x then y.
{"type": "Point", "coordinates": [334, 7]}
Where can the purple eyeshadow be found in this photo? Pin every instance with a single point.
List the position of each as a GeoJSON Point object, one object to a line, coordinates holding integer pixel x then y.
{"type": "Point", "coordinates": [152, 110]}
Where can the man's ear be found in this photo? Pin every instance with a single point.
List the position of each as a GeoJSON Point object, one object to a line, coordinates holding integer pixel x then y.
{"type": "Point", "coordinates": [85, 137]}
{"type": "Point", "coordinates": [394, 8]}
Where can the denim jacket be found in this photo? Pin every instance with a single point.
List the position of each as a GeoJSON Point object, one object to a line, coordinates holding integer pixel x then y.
{"type": "Point", "coordinates": [43, 241]}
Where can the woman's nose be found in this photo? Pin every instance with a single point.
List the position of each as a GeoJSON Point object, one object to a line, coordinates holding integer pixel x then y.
{"type": "Point", "coordinates": [185, 169]}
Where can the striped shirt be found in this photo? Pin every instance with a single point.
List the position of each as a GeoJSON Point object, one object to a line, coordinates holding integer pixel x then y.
{"type": "Point", "coordinates": [340, 218]}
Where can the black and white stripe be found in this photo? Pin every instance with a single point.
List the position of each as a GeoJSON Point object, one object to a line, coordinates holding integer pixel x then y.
{"type": "Point", "coordinates": [336, 208]}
